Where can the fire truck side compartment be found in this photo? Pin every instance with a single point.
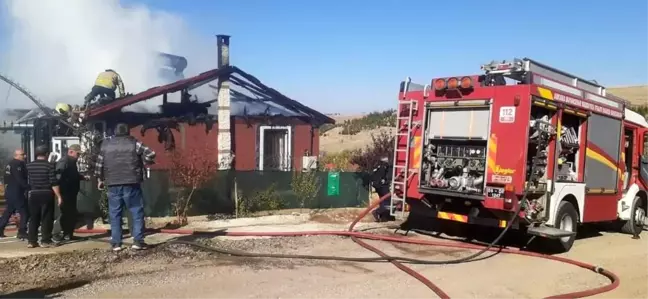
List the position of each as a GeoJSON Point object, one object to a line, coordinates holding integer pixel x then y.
{"type": "Point", "coordinates": [603, 152]}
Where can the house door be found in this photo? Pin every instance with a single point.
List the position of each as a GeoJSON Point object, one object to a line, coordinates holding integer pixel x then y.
{"type": "Point", "coordinates": [275, 148]}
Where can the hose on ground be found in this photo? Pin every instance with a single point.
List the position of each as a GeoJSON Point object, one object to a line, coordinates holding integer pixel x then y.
{"type": "Point", "coordinates": [357, 236]}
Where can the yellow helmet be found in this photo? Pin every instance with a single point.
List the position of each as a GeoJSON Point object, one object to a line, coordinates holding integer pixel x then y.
{"type": "Point", "coordinates": [63, 108]}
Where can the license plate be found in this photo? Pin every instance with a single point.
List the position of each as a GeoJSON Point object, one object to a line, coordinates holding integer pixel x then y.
{"type": "Point", "coordinates": [495, 192]}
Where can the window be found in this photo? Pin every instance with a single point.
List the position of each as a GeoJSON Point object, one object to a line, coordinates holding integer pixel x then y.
{"type": "Point", "coordinates": [644, 151]}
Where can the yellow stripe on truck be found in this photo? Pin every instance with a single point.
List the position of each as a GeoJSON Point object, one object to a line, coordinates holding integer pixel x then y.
{"type": "Point", "coordinates": [603, 160]}
{"type": "Point", "coordinates": [417, 152]}
{"type": "Point", "coordinates": [492, 152]}
{"type": "Point", "coordinates": [545, 93]}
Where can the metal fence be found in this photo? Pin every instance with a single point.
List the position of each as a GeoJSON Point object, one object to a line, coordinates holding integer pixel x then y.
{"type": "Point", "coordinates": [337, 190]}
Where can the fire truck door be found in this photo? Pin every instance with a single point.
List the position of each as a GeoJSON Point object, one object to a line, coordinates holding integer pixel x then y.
{"type": "Point", "coordinates": [643, 158]}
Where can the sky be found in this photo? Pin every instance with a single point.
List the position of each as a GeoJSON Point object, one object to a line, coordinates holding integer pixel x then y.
{"type": "Point", "coordinates": [350, 56]}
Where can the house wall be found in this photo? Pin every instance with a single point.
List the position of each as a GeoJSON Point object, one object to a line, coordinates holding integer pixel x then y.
{"type": "Point", "coordinates": [188, 138]}
{"type": "Point", "coordinates": [245, 141]}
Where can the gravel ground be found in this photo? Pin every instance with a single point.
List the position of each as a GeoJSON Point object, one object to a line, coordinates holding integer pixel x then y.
{"type": "Point", "coordinates": [173, 271]}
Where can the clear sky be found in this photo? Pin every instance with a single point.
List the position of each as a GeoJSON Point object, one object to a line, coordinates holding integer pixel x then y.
{"type": "Point", "coordinates": [349, 56]}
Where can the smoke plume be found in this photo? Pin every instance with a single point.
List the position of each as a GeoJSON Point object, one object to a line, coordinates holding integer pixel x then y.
{"type": "Point", "coordinates": [56, 48]}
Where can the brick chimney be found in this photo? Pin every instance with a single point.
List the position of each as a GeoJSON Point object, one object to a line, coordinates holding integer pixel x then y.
{"type": "Point", "coordinates": [224, 125]}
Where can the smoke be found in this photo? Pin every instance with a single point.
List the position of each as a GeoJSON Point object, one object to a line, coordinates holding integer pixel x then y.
{"type": "Point", "coordinates": [57, 47]}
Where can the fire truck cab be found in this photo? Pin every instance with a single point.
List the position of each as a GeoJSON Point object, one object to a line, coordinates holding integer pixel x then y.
{"type": "Point", "coordinates": [523, 145]}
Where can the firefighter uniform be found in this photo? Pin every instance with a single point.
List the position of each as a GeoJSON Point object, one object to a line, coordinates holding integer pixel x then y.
{"type": "Point", "coordinates": [105, 85]}
{"type": "Point", "coordinates": [15, 179]}
{"type": "Point", "coordinates": [380, 180]}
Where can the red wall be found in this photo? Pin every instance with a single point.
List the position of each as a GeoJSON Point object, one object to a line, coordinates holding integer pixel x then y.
{"type": "Point", "coordinates": [244, 139]}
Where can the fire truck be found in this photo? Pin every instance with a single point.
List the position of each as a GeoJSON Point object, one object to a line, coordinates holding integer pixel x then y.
{"type": "Point", "coordinates": [523, 146]}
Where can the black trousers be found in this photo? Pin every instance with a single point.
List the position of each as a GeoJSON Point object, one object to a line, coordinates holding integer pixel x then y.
{"type": "Point", "coordinates": [382, 190]}
{"type": "Point", "coordinates": [41, 212]}
{"type": "Point", "coordinates": [101, 92]}
{"type": "Point", "coordinates": [69, 213]}
{"type": "Point", "coordinates": [16, 203]}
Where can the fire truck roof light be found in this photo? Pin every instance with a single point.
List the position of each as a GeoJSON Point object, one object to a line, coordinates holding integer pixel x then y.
{"type": "Point", "coordinates": [466, 82]}
{"type": "Point", "coordinates": [439, 84]}
{"type": "Point", "coordinates": [452, 83]}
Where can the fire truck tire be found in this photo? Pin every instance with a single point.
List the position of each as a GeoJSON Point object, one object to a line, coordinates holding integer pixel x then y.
{"type": "Point", "coordinates": [566, 219]}
{"type": "Point", "coordinates": [634, 226]}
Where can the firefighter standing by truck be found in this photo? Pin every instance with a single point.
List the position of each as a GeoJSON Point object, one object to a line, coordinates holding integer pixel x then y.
{"type": "Point", "coordinates": [380, 180]}
{"type": "Point", "coordinates": [105, 85]}
{"type": "Point", "coordinates": [16, 185]}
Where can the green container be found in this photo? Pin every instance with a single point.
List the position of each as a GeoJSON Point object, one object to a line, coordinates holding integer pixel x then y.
{"type": "Point", "coordinates": [333, 185]}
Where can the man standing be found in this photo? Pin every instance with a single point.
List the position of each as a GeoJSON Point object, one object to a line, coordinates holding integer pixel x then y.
{"type": "Point", "coordinates": [41, 198]}
{"type": "Point", "coordinates": [15, 179]}
{"type": "Point", "coordinates": [120, 168]}
{"type": "Point", "coordinates": [381, 180]}
{"type": "Point", "coordinates": [69, 183]}
{"type": "Point", "coordinates": [105, 85]}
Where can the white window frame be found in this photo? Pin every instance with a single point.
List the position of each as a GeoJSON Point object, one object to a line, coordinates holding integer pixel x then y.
{"type": "Point", "coordinates": [288, 146]}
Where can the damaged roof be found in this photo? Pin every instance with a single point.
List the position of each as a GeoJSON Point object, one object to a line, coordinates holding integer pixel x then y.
{"type": "Point", "coordinates": [249, 96]}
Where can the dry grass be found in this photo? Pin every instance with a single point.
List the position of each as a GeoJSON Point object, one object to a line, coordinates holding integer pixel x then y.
{"type": "Point", "coordinates": [637, 95]}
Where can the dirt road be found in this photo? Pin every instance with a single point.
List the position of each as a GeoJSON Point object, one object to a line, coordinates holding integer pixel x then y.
{"type": "Point", "coordinates": [498, 276]}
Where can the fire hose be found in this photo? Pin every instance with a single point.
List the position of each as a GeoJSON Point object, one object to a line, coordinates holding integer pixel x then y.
{"type": "Point", "coordinates": [399, 262]}
{"type": "Point", "coordinates": [396, 261]}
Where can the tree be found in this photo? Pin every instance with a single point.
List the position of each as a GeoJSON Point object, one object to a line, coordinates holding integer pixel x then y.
{"type": "Point", "coordinates": [190, 170]}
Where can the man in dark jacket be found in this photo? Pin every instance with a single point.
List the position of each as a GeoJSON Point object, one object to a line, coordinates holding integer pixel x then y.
{"type": "Point", "coordinates": [16, 186]}
{"type": "Point", "coordinates": [120, 168]}
{"type": "Point", "coordinates": [381, 181]}
{"type": "Point", "coordinates": [69, 183]}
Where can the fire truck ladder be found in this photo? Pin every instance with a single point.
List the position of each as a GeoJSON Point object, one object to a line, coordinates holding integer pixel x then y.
{"type": "Point", "coordinates": [401, 171]}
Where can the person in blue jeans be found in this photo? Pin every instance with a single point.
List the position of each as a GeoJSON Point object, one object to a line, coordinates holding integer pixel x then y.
{"type": "Point", "coordinates": [120, 168]}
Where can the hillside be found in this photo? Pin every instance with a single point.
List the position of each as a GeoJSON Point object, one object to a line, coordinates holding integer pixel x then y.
{"type": "Point", "coordinates": [637, 95]}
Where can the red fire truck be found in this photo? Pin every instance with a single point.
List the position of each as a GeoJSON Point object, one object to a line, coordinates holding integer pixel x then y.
{"type": "Point", "coordinates": [523, 145]}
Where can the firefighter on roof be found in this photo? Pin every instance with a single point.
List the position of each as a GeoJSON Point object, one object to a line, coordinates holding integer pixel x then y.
{"type": "Point", "coordinates": [105, 86]}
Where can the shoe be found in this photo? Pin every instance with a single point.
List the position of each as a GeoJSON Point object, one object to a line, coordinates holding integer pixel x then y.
{"type": "Point", "coordinates": [21, 237]}
{"type": "Point", "coordinates": [2, 236]}
{"type": "Point", "coordinates": [116, 247]}
{"type": "Point", "coordinates": [32, 245]}
{"type": "Point", "coordinates": [47, 244]}
{"type": "Point", "coordinates": [57, 238]}
{"type": "Point", "coordinates": [139, 246]}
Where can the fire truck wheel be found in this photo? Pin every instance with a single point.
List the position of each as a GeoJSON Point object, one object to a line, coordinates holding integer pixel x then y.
{"type": "Point", "coordinates": [634, 226]}
{"type": "Point", "coordinates": [566, 219]}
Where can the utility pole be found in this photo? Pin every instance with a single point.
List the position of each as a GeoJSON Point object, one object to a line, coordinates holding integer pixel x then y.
{"type": "Point", "coordinates": [224, 125]}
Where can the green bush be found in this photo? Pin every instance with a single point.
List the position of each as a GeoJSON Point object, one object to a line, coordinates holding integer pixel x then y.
{"type": "Point", "coordinates": [306, 186]}
{"type": "Point", "coordinates": [265, 200]}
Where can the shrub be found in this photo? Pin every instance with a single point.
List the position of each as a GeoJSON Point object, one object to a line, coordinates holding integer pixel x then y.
{"type": "Point", "coordinates": [265, 200]}
{"type": "Point", "coordinates": [382, 145]}
{"type": "Point", "coordinates": [306, 186]}
{"type": "Point", "coordinates": [340, 161]}
{"type": "Point", "coordinates": [190, 170]}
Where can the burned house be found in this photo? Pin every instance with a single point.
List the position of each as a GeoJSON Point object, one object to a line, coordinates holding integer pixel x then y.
{"type": "Point", "coordinates": [252, 126]}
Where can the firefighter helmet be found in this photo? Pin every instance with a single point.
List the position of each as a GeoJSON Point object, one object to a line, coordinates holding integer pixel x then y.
{"type": "Point", "coordinates": [63, 108]}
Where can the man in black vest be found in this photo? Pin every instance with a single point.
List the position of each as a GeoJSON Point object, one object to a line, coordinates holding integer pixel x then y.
{"type": "Point", "coordinates": [16, 186]}
{"type": "Point", "coordinates": [120, 168]}
{"type": "Point", "coordinates": [69, 183]}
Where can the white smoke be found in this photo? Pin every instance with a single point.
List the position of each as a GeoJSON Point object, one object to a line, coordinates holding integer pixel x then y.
{"type": "Point", "coordinates": [57, 47]}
